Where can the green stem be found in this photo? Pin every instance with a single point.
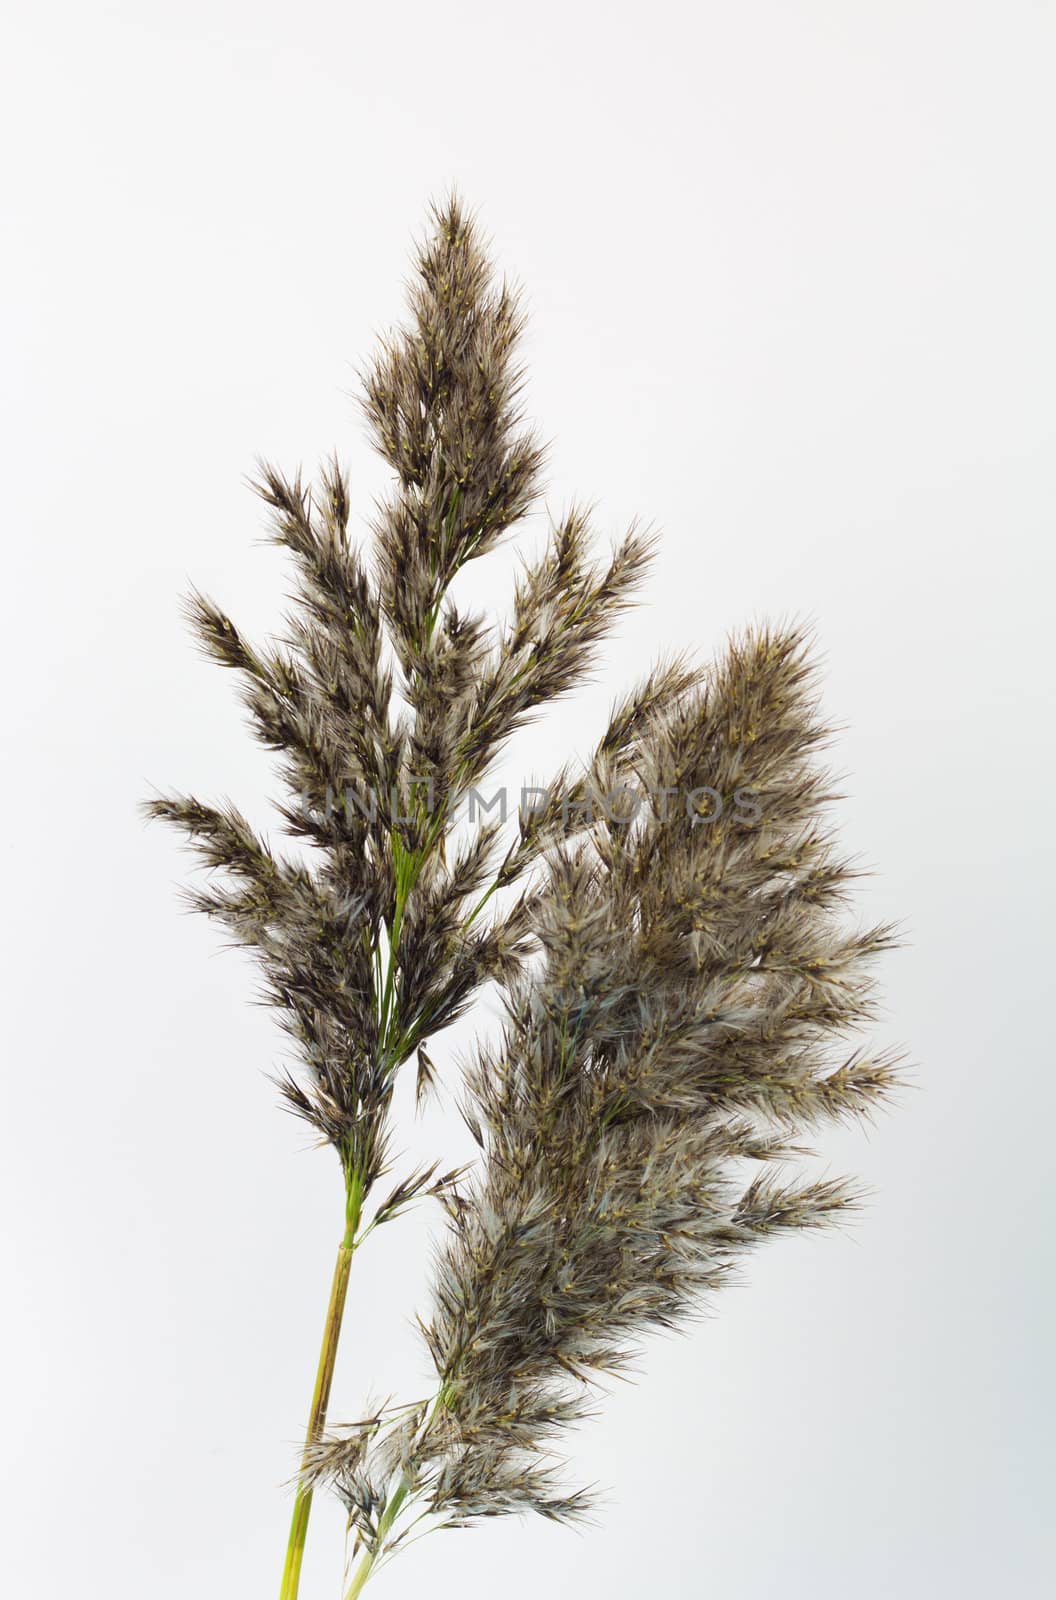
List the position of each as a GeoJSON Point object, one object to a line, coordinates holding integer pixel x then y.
{"type": "Point", "coordinates": [302, 1505]}
{"type": "Point", "coordinates": [370, 1557]}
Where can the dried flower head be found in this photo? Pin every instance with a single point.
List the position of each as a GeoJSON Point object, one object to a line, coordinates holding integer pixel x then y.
{"type": "Point", "coordinates": [678, 978]}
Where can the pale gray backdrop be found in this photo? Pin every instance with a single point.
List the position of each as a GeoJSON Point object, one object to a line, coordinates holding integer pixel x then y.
{"type": "Point", "coordinates": [790, 267]}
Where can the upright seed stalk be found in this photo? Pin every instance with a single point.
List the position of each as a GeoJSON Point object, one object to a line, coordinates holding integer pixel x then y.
{"type": "Point", "coordinates": [355, 1195]}
{"type": "Point", "coordinates": [302, 1505]}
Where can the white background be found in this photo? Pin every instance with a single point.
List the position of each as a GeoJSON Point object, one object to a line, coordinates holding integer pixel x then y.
{"type": "Point", "coordinates": [790, 268]}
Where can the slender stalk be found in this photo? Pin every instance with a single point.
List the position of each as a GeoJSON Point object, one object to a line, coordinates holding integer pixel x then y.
{"type": "Point", "coordinates": [389, 1515]}
{"type": "Point", "coordinates": [302, 1505]}
{"type": "Point", "coordinates": [366, 1565]}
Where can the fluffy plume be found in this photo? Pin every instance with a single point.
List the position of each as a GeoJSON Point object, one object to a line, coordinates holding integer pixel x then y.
{"type": "Point", "coordinates": [679, 981]}
{"type": "Point", "coordinates": [372, 951]}
{"type": "Point", "coordinates": [689, 1020]}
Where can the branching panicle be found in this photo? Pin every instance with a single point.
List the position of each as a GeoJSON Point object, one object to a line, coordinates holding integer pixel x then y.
{"type": "Point", "coordinates": [678, 981]}
{"type": "Point", "coordinates": [695, 982]}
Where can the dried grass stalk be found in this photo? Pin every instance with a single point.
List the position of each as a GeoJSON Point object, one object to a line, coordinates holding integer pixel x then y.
{"type": "Point", "coordinates": [678, 978]}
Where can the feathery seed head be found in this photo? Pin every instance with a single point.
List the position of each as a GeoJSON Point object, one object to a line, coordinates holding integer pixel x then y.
{"type": "Point", "coordinates": [678, 981]}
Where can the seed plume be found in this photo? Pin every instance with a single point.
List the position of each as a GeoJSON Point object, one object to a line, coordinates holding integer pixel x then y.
{"type": "Point", "coordinates": [668, 927]}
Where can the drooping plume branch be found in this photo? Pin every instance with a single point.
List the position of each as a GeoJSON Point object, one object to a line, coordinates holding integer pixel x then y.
{"type": "Point", "coordinates": [689, 1015]}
